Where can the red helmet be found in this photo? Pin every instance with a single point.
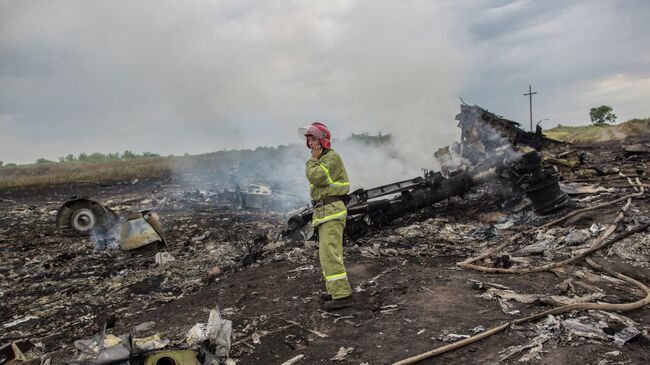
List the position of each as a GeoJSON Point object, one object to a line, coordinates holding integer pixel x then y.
{"type": "Point", "coordinates": [318, 130]}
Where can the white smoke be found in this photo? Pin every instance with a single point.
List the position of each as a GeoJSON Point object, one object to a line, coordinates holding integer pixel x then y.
{"type": "Point", "coordinates": [170, 77]}
{"type": "Point", "coordinates": [106, 238]}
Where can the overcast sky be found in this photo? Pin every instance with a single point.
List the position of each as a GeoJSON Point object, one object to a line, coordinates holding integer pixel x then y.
{"type": "Point", "coordinates": [198, 76]}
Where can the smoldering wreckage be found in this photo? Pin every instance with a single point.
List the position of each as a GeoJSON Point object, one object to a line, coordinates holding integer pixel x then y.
{"type": "Point", "coordinates": [443, 260]}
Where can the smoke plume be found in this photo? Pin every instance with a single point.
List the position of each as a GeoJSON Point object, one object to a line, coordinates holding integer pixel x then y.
{"type": "Point", "coordinates": [205, 76]}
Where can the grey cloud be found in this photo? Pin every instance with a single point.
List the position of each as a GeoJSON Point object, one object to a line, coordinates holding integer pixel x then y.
{"type": "Point", "coordinates": [562, 48]}
{"type": "Point", "coordinates": [223, 74]}
{"type": "Point", "coordinates": [175, 77]}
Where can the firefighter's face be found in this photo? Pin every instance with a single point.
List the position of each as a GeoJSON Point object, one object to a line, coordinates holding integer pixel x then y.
{"type": "Point", "coordinates": [313, 142]}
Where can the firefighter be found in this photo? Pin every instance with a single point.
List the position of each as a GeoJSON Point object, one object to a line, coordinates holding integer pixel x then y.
{"type": "Point", "coordinates": [328, 183]}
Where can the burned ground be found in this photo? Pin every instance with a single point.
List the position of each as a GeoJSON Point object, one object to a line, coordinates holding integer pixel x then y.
{"type": "Point", "coordinates": [410, 295]}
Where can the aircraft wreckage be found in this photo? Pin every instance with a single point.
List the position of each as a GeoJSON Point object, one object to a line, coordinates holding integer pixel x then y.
{"type": "Point", "coordinates": [491, 148]}
{"type": "Point", "coordinates": [85, 216]}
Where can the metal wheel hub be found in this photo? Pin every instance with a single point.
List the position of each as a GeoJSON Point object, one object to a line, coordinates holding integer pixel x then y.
{"type": "Point", "coordinates": [83, 220]}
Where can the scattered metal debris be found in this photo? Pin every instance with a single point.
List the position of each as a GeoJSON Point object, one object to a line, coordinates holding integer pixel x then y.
{"type": "Point", "coordinates": [162, 258]}
{"type": "Point", "coordinates": [342, 353]}
{"type": "Point", "coordinates": [547, 330]}
{"type": "Point", "coordinates": [256, 197]}
{"type": "Point", "coordinates": [17, 352]}
{"type": "Point", "coordinates": [214, 238]}
{"type": "Point", "coordinates": [294, 360]}
{"type": "Point", "coordinates": [216, 333]}
{"type": "Point", "coordinates": [210, 342]}
{"type": "Point", "coordinates": [451, 337]}
{"type": "Point", "coordinates": [104, 349]}
{"type": "Point", "coordinates": [636, 149]}
{"type": "Point", "coordinates": [19, 321]}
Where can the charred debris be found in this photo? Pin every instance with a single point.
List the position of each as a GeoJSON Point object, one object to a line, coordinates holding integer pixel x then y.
{"type": "Point", "coordinates": [67, 299]}
{"type": "Point", "coordinates": [491, 150]}
{"type": "Point", "coordinates": [84, 216]}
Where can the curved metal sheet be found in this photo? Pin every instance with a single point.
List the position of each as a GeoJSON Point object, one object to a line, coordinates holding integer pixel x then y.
{"type": "Point", "coordinates": [136, 233]}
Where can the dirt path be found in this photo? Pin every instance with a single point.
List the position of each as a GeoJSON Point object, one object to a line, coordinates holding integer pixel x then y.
{"type": "Point", "coordinates": [610, 134]}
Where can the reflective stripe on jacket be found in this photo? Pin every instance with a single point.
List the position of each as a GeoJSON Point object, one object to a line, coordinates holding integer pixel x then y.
{"type": "Point", "coordinates": [327, 177]}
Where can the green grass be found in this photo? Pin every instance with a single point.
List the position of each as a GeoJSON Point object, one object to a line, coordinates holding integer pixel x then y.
{"type": "Point", "coordinates": [259, 162]}
{"type": "Point", "coordinates": [71, 172]}
{"type": "Point", "coordinates": [588, 133]}
{"type": "Point", "coordinates": [115, 167]}
{"type": "Point", "coordinates": [595, 133]}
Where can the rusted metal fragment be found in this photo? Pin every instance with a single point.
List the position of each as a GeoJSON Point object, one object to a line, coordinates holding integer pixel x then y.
{"type": "Point", "coordinates": [138, 232]}
{"type": "Point", "coordinates": [154, 221]}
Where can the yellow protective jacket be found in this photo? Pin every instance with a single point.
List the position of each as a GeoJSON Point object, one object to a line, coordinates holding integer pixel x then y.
{"type": "Point", "coordinates": [327, 177]}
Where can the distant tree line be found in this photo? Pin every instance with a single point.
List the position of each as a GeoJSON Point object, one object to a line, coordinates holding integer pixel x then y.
{"type": "Point", "coordinates": [98, 156]}
{"type": "Point", "coordinates": [378, 139]}
{"type": "Point", "coordinates": [370, 139]}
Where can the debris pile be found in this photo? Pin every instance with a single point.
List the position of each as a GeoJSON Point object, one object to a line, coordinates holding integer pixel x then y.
{"type": "Point", "coordinates": [488, 152]}
{"type": "Point", "coordinates": [568, 286]}
{"type": "Point", "coordinates": [56, 288]}
{"type": "Point", "coordinates": [206, 344]}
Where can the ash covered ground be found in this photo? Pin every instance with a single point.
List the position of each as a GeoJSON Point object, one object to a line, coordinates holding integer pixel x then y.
{"type": "Point", "coordinates": [410, 295]}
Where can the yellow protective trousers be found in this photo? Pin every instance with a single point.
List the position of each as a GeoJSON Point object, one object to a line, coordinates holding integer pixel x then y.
{"type": "Point", "coordinates": [330, 252]}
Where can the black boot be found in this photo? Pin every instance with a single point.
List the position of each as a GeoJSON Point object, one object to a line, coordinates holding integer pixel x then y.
{"type": "Point", "coordinates": [338, 303]}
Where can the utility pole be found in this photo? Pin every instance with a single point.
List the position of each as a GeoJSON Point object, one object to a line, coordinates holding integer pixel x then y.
{"type": "Point", "coordinates": [530, 98]}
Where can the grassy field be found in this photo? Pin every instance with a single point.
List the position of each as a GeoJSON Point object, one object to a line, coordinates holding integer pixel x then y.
{"type": "Point", "coordinates": [53, 173]}
{"type": "Point", "coordinates": [267, 164]}
{"type": "Point", "coordinates": [259, 164]}
{"type": "Point", "coordinates": [216, 165]}
{"type": "Point", "coordinates": [599, 133]}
